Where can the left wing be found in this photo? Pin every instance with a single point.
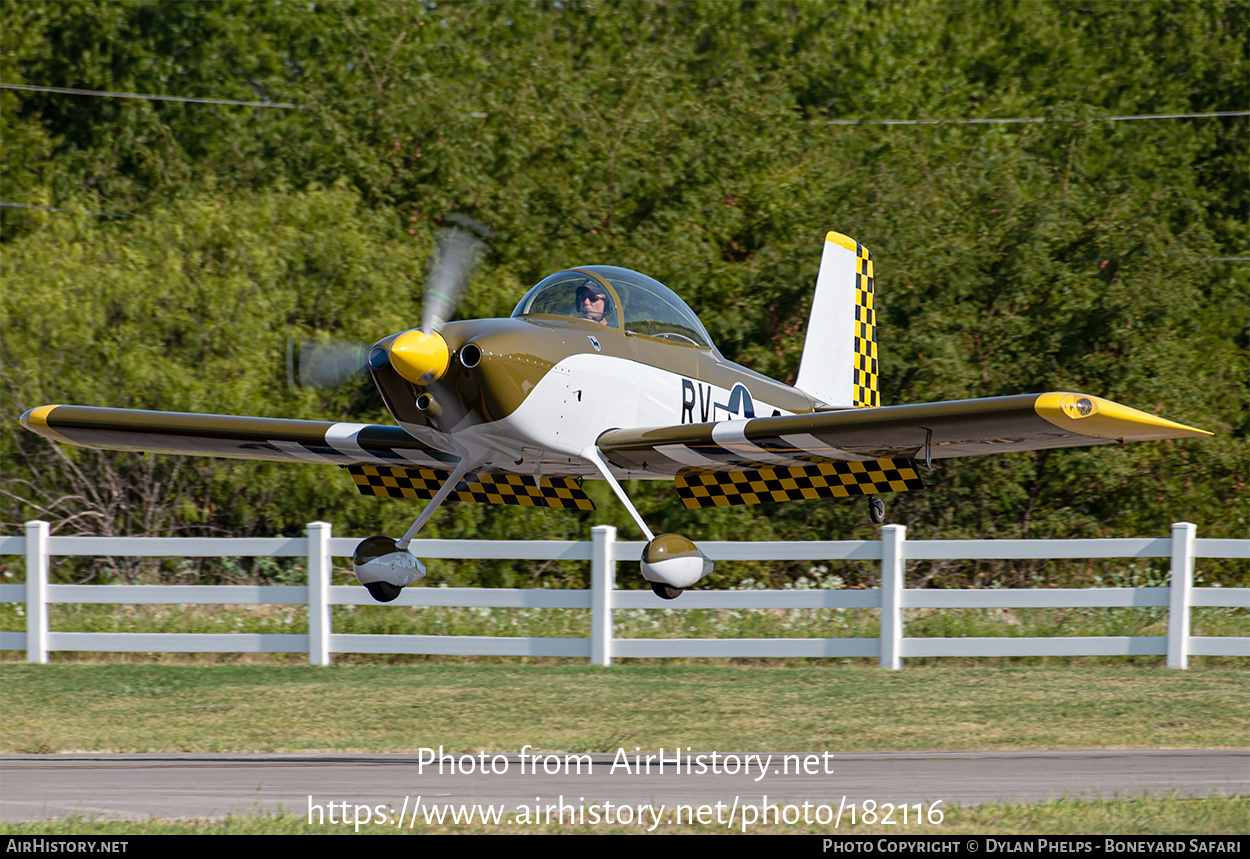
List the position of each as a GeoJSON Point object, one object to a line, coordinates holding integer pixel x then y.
{"type": "Point", "coordinates": [384, 461]}
{"type": "Point", "coordinates": [234, 437]}
{"type": "Point", "coordinates": [865, 451]}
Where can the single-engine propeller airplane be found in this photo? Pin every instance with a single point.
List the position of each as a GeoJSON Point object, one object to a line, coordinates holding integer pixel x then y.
{"type": "Point", "coordinates": [604, 373]}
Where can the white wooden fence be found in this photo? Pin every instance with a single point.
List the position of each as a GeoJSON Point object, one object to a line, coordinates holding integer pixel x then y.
{"type": "Point", "coordinates": [603, 551]}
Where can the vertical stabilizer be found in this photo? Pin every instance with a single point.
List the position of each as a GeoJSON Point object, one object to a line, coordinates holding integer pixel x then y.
{"type": "Point", "coordinates": [839, 364]}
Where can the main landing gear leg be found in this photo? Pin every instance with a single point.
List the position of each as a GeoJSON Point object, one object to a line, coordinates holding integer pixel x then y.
{"type": "Point", "coordinates": [670, 562]}
{"type": "Point", "coordinates": [385, 566]}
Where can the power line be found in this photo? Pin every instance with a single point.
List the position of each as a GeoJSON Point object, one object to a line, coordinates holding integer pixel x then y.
{"type": "Point", "coordinates": [70, 211]}
{"type": "Point", "coordinates": [147, 97]}
{"type": "Point", "coordinates": [1033, 119]}
{"type": "Point", "coordinates": [989, 121]}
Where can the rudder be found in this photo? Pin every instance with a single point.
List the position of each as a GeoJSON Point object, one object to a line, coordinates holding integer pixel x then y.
{"type": "Point", "coordinates": [839, 363]}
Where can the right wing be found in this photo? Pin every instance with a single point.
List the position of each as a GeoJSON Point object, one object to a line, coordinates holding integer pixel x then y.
{"type": "Point", "coordinates": [917, 432]}
{"type": "Point", "coordinates": [836, 454]}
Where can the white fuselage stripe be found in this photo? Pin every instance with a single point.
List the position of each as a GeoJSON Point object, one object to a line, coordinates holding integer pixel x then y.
{"type": "Point", "coordinates": [587, 393]}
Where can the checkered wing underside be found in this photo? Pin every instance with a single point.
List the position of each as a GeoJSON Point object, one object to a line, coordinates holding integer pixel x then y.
{"type": "Point", "coordinates": [485, 488]}
{"type": "Point", "coordinates": [704, 488]}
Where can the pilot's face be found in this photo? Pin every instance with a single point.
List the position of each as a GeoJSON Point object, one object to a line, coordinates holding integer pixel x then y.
{"type": "Point", "coordinates": [592, 305]}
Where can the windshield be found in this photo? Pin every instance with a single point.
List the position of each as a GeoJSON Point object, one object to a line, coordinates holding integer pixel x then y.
{"type": "Point", "coordinates": [570, 293]}
{"type": "Point", "coordinates": [648, 307]}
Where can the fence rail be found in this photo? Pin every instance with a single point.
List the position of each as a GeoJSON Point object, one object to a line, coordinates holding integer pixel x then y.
{"type": "Point", "coordinates": [892, 551]}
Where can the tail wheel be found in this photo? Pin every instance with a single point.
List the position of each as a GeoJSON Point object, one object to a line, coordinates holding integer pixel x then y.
{"type": "Point", "coordinates": [383, 591]}
{"type": "Point", "coordinates": [665, 592]}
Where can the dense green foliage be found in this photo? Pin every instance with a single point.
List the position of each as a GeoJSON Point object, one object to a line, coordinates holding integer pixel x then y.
{"type": "Point", "coordinates": [687, 140]}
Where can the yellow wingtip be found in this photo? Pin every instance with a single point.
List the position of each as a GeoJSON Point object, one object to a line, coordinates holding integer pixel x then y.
{"type": "Point", "coordinates": [36, 420]}
{"type": "Point", "coordinates": [1085, 415]}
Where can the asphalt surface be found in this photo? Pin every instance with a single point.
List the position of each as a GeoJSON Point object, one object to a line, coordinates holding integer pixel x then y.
{"type": "Point", "coordinates": [330, 787]}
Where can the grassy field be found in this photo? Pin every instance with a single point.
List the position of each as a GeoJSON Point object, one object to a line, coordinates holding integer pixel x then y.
{"type": "Point", "coordinates": [500, 707]}
{"type": "Point", "coordinates": [997, 704]}
{"type": "Point", "coordinates": [378, 703]}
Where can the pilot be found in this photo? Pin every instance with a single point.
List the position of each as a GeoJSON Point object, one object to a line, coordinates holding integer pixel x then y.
{"type": "Point", "coordinates": [593, 302]}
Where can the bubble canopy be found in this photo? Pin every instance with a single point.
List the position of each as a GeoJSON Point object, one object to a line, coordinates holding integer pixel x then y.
{"type": "Point", "coordinates": [637, 303]}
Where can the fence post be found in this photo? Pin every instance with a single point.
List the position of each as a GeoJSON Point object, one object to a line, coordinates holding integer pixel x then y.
{"type": "Point", "coordinates": [37, 591]}
{"type": "Point", "coordinates": [893, 569]}
{"type": "Point", "coordinates": [1181, 584]}
{"type": "Point", "coordinates": [602, 585]}
{"type": "Point", "coordinates": [319, 567]}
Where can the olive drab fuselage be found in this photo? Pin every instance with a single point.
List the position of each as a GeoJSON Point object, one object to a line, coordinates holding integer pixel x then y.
{"type": "Point", "coordinates": [540, 389]}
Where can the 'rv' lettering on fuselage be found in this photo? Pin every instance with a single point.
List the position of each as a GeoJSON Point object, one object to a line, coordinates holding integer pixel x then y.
{"type": "Point", "coordinates": [701, 403]}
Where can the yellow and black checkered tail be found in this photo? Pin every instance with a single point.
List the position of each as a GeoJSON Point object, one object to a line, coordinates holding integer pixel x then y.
{"type": "Point", "coordinates": [839, 363]}
{"type": "Point", "coordinates": [704, 488]}
{"type": "Point", "coordinates": [387, 481]}
{"type": "Point", "coordinates": [864, 383]}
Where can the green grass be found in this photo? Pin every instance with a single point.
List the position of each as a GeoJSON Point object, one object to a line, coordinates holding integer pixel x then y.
{"type": "Point", "coordinates": [576, 707]}
{"type": "Point", "coordinates": [977, 704]}
{"type": "Point", "coordinates": [1214, 816]}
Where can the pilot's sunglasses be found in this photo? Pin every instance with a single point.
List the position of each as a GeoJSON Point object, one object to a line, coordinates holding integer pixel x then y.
{"type": "Point", "coordinates": [583, 296]}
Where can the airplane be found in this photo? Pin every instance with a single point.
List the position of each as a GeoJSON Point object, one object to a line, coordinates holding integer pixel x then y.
{"type": "Point", "coordinates": [604, 373]}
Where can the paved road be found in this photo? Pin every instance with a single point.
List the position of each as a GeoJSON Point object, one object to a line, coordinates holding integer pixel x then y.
{"type": "Point", "coordinates": [115, 786]}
